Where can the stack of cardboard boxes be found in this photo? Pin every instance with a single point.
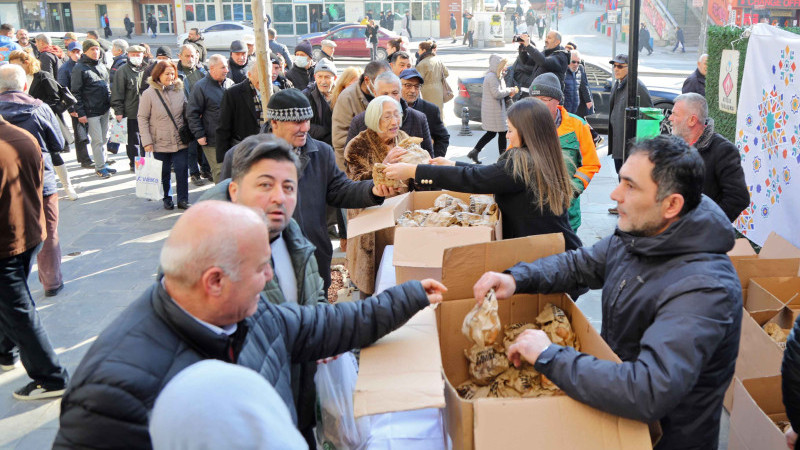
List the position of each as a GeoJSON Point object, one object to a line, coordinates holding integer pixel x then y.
{"type": "Point", "coordinates": [771, 294]}
{"type": "Point", "coordinates": [418, 365]}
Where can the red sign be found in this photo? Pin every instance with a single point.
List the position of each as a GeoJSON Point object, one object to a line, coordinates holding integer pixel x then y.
{"type": "Point", "coordinates": [654, 17]}
{"type": "Point", "coordinates": [718, 11]}
{"type": "Point", "coordinates": [767, 4]}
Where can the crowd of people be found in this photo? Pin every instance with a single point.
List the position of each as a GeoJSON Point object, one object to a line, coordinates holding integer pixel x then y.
{"type": "Point", "coordinates": [244, 274]}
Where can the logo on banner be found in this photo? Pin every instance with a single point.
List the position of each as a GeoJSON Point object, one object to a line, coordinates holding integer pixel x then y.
{"type": "Point", "coordinates": [729, 73]}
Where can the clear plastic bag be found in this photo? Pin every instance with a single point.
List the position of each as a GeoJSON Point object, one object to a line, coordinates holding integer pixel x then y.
{"type": "Point", "coordinates": [337, 427]}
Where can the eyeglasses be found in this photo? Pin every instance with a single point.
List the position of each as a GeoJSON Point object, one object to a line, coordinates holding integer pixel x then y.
{"type": "Point", "coordinates": [620, 66]}
{"type": "Point", "coordinates": [574, 62]}
{"type": "Point", "coordinates": [411, 86]}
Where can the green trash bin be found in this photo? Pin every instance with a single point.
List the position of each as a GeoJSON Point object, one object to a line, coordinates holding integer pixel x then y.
{"type": "Point", "coordinates": [648, 125]}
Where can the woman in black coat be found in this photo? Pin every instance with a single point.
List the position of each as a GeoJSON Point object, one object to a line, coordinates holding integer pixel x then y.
{"type": "Point", "coordinates": [529, 181]}
{"type": "Point", "coordinates": [372, 37]}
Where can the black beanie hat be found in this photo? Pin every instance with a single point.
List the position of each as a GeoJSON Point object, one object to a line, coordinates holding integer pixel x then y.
{"type": "Point", "coordinates": [289, 105]}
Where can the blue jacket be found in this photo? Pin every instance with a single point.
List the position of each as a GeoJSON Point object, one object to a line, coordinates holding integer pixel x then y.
{"type": "Point", "coordinates": [24, 111]}
{"type": "Point", "coordinates": [89, 84]}
{"type": "Point", "coordinates": [64, 75]}
{"type": "Point", "coordinates": [576, 92]}
{"type": "Point", "coordinates": [7, 46]}
{"type": "Point", "coordinates": [672, 312]}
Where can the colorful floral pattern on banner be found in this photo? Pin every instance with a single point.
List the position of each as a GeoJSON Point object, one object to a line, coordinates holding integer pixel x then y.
{"type": "Point", "coordinates": [768, 134]}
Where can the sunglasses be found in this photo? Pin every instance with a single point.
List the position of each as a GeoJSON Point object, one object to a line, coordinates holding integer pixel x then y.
{"type": "Point", "coordinates": [620, 66]}
{"type": "Point", "coordinates": [574, 62]}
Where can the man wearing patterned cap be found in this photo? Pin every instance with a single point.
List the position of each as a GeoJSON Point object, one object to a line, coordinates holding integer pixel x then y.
{"type": "Point", "coordinates": [321, 181]}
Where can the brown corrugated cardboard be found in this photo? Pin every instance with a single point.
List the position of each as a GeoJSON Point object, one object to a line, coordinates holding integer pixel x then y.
{"type": "Point", "coordinates": [776, 247]}
{"type": "Point", "coordinates": [505, 423]}
{"type": "Point", "coordinates": [418, 251]}
{"type": "Point", "coordinates": [402, 371]}
{"type": "Point", "coordinates": [785, 289]}
{"type": "Point", "coordinates": [760, 302]}
{"type": "Point", "coordinates": [757, 404]}
{"type": "Point", "coordinates": [742, 249]}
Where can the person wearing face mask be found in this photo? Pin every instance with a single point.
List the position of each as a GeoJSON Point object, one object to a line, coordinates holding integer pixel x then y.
{"type": "Point", "coordinates": [125, 98]}
{"type": "Point", "coordinates": [237, 64]}
{"type": "Point", "coordinates": [159, 129]}
{"type": "Point", "coordinates": [303, 70]}
{"type": "Point", "coordinates": [352, 101]}
{"type": "Point", "coordinates": [319, 95]}
{"type": "Point", "coordinates": [191, 71]}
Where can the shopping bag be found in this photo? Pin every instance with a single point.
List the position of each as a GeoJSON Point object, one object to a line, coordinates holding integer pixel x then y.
{"type": "Point", "coordinates": [119, 131]}
{"type": "Point", "coordinates": [148, 178]}
{"type": "Point", "coordinates": [337, 427]}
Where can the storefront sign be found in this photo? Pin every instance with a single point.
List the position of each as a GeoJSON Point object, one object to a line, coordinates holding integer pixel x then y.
{"type": "Point", "coordinates": [769, 4]}
{"type": "Point", "coordinates": [729, 79]}
{"type": "Point", "coordinates": [781, 13]}
{"type": "Point", "coordinates": [718, 11]}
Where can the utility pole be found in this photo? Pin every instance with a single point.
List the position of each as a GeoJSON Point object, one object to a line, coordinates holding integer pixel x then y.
{"type": "Point", "coordinates": [703, 28]}
{"type": "Point", "coordinates": [632, 109]}
{"type": "Point", "coordinates": [262, 56]}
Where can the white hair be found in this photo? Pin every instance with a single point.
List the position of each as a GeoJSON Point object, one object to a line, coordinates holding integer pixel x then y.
{"type": "Point", "coordinates": [372, 118]}
{"type": "Point", "coordinates": [216, 59]}
{"type": "Point", "coordinates": [696, 103]}
{"type": "Point", "coordinates": [120, 45]}
{"type": "Point", "coordinates": [702, 57]}
{"type": "Point", "coordinates": [388, 77]}
{"type": "Point", "coordinates": [190, 47]}
{"type": "Point", "coordinates": [43, 38]}
{"type": "Point", "coordinates": [12, 78]}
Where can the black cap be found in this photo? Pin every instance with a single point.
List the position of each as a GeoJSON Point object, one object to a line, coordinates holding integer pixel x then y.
{"type": "Point", "coordinates": [289, 105]}
{"type": "Point", "coordinates": [622, 58]}
{"type": "Point", "coordinates": [164, 51]}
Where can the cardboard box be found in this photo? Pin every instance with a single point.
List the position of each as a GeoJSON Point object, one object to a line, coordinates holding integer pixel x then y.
{"type": "Point", "coordinates": [758, 404]}
{"type": "Point", "coordinates": [760, 302]}
{"type": "Point", "coordinates": [757, 357]}
{"type": "Point", "coordinates": [418, 251]}
{"type": "Point", "coordinates": [742, 249]}
{"type": "Point", "coordinates": [785, 289]}
{"type": "Point", "coordinates": [385, 385]}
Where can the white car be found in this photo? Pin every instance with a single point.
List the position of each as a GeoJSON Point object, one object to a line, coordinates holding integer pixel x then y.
{"type": "Point", "coordinates": [220, 35]}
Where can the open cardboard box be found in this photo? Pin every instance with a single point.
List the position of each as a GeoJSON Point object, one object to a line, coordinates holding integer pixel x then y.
{"type": "Point", "coordinates": [757, 357]}
{"type": "Point", "coordinates": [418, 251]}
{"type": "Point", "coordinates": [758, 404]}
{"type": "Point", "coordinates": [396, 373]}
{"type": "Point", "coordinates": [761, 302]}
{"type": "Point", "coordinates": [785, 289]}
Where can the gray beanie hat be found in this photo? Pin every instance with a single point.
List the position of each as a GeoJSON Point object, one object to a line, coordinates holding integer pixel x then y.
{"type": "Point", "coordinates": [325, 65]}
{"type": "Point", "coordinates": [547, 85]}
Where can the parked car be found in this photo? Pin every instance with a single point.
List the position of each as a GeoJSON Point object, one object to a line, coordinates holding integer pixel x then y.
{"type": "Point", "coordinates": [322, 33]}
{"type": "Point", "coordinates": [220, 35]}
{"type": "Point", "coordinates": [351, 42]}
{"type": "Point", "coordinates": [470, 93]}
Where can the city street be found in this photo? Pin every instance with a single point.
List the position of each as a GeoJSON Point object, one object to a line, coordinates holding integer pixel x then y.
{"type": "Point", "coordinates": [110, 240]}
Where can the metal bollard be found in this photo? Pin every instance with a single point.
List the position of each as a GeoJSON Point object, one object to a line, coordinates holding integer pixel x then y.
{"type": "Point", "coordinates": [465, 131]}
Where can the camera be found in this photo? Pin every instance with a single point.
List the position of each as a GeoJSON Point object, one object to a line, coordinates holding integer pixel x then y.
{"type": "Point", "coordinates": [517, 38]}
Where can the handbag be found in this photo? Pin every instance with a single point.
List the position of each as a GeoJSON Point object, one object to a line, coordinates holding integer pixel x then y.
{"type": "Point", "coordinates": [65, 100]}
{"type": "Point", "coordinates": [448, 92]}
{"type": "Point", "coordinates": [184, 133]}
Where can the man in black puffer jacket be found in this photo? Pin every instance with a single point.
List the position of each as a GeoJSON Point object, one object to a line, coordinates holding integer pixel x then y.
{"type": "Point", "coordinates": [554, 59]}
{"type": "Point", "coordinates": [199, 310]}
{"type": "Point", "coordinates": [724, 181]}
{"type": "Point", "coordinates": [90, 85]}
{"type": "Point", "coordinates": [672, 302]}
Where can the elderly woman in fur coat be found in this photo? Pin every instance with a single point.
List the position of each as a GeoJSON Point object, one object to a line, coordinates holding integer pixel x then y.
{"type": "Point", "coordinates": [376, 144]}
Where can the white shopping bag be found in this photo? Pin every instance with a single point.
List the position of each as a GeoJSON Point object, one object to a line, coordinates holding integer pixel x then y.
{"type": "Point", "coordinates": [337, 428]}
{"type": "Point", "coordinates": [119, 131]}
{"type": "Point", "coordinates": [148, 178]}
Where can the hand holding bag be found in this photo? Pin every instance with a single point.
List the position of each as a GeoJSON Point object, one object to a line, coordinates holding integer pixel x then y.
{"type": "Point", "coordinates": [184, 133]}
{"type": "Point", "coordinates": [119, 131]}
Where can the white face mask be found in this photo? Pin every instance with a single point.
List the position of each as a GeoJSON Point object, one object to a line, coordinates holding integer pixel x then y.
{"type": "Point", "coordinates": [136, 61]}
{"type": "Point", "coordinates": [301, 61]}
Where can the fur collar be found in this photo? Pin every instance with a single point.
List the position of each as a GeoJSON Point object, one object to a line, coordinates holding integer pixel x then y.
{"type": "Point", "coordinates": [177, 85]}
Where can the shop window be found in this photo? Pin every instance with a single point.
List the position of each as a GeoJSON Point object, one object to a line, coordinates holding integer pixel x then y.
{"type": "Point", "coordinates": [335, 12]}
{"type": "Point", "coordinates": [237, 11]}
{"type": "Point", "coordinates": [375, 9]}
{"type": "Point", "coordinates": [416, 11]}
{"type": "Point", "coordinates": [400, 9]}
{"type": "Point", "coordinates": [201, 10]}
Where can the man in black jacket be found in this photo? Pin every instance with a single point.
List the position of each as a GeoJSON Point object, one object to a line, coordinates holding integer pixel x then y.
{"type": "Point", "coordinates": [215, 262]}
{"type": "Point", "coordinates": [91, 88]}
{"type": "Point", "coordinates": [277, 47]}
{"type": "Point", "coordinates": [319, 95]}
{"type": "Point", "coordinates": [696, 82]}
{"type": "Point", "coordinates": [321, 181]}
{"type": "Point", "coordinates": [672, 302]}
{"type": "Point", "coordinates": [415, 124]}
{"type": "Point", "coordinates": [237, 63]}
{"type": "Point", "coordinates": [302, 71]}
{"type": "Point", "coordinates": [240, 114]}
{"type": "Point", "coordinates": [724, 181]}
{"type": "Point", "coordinates": [644, 39]}
{"type": "Point", "coordinates": [554, 59]}
{"type": "Point", "coordinates": [125, 98]}
{"type": "Point", "coordinates": [196, 39]}
{"type": "Point", "coordinates": [412, 82]}
{"type": "Point", "coordinates": [204, 107]}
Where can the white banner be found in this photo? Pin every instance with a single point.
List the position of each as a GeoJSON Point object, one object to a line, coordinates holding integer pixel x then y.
{"type": "Point", "coordinates": [728, 80]}
{"type": "Point", "coordinates": [768, 134]}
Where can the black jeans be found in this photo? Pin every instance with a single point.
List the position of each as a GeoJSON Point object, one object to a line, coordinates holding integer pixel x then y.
{"type": "Point", "coordinates": [486, 138]}
{"type": "Point", "coordinates": [180, 160]}
{"type": "Point", "coordinates": [133, 148]}
{"type": "Point", "coordinates": [20, 325]}
{"type": "Point", "coordinates": [81, 149]}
